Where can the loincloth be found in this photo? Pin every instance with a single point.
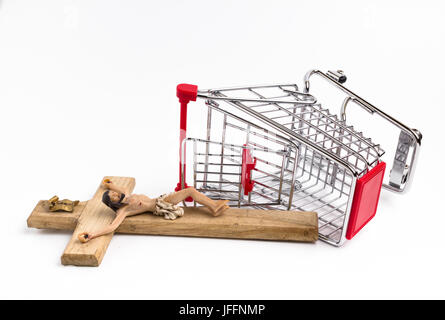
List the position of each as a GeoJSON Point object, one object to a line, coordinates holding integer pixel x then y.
{"type": "Point", "coordinates": [166, 209]}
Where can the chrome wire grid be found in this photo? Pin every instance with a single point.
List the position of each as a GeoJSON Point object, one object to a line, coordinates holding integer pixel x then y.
{"type": "Point", "coordinates": [298, 146]}
{"type": "Point", "coordinates": [309, 120]}
{"type": "Point", "coordinates": [289, 174]}
{"type": "Point", "coordinates": [219, 176]}
{"type": "Point", "coordinates": [306, 158]}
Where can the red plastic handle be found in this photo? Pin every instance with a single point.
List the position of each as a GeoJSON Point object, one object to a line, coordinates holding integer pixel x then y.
{"type": "Point", "coordinates": [185, 93]}
{"type": "Point", "coordinates": [248, 164]}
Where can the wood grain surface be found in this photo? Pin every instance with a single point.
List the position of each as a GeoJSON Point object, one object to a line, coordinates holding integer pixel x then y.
{"type": "Point", "coordinates": [196, 222]}
{"type": "Point", "coordinates": [94, 216]}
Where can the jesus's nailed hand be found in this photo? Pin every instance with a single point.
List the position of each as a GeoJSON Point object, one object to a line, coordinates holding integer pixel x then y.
{"type": "Point", "coordinates": [84, 237]}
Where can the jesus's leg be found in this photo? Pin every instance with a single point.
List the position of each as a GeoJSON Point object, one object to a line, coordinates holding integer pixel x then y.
{"type": "Point", "coordinates": [215, 206]}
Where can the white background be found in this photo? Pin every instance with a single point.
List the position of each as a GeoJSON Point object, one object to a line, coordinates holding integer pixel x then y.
{"type": "Point", "coordinates": [87, 89]}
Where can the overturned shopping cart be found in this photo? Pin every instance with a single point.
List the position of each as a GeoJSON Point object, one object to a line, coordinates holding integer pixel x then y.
{"type": "Point", "coordinates": [276, 147]}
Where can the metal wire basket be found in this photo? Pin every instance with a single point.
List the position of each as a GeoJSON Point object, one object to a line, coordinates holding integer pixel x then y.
{"type": "Point", "coordinates": [275, 147]}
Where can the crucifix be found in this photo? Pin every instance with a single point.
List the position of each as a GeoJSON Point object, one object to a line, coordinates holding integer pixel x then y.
{"type": "Point", "coordinates": [93, 216]}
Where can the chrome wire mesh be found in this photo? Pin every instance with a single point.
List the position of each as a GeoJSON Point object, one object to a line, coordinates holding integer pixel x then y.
{"type": "Point", "coordinates": [289, 173]}
{"type": "Point", "coordinates": [310, 121]}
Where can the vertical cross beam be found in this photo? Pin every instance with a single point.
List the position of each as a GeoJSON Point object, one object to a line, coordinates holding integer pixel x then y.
{"type": "Point", "coordinates": [93, 218]}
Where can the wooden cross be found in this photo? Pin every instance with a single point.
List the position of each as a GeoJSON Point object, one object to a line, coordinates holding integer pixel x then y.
{"type": "Point", "coordinates": [93, 215]}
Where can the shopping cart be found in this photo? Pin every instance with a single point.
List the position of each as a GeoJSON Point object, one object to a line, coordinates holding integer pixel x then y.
{"type": "Point", "coordinates": [275, 147]}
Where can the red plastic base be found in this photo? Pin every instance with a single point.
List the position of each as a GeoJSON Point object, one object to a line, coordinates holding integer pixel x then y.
{"type": "Point", "coordinates": [179, 188]}
{"type": "Point", "coordinates": [366, 199]}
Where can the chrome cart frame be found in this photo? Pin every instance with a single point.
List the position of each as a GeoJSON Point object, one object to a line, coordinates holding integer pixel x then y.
{"type": "Point", "coordinates": [275, 147]}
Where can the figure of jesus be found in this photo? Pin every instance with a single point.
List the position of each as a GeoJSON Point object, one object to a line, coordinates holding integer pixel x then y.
{"type": "Point", "coordinates": [126, 204]}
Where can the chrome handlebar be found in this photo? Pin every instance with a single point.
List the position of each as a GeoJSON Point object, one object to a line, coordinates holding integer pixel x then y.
{"type": "Point", "coordinates": [408, 146]}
